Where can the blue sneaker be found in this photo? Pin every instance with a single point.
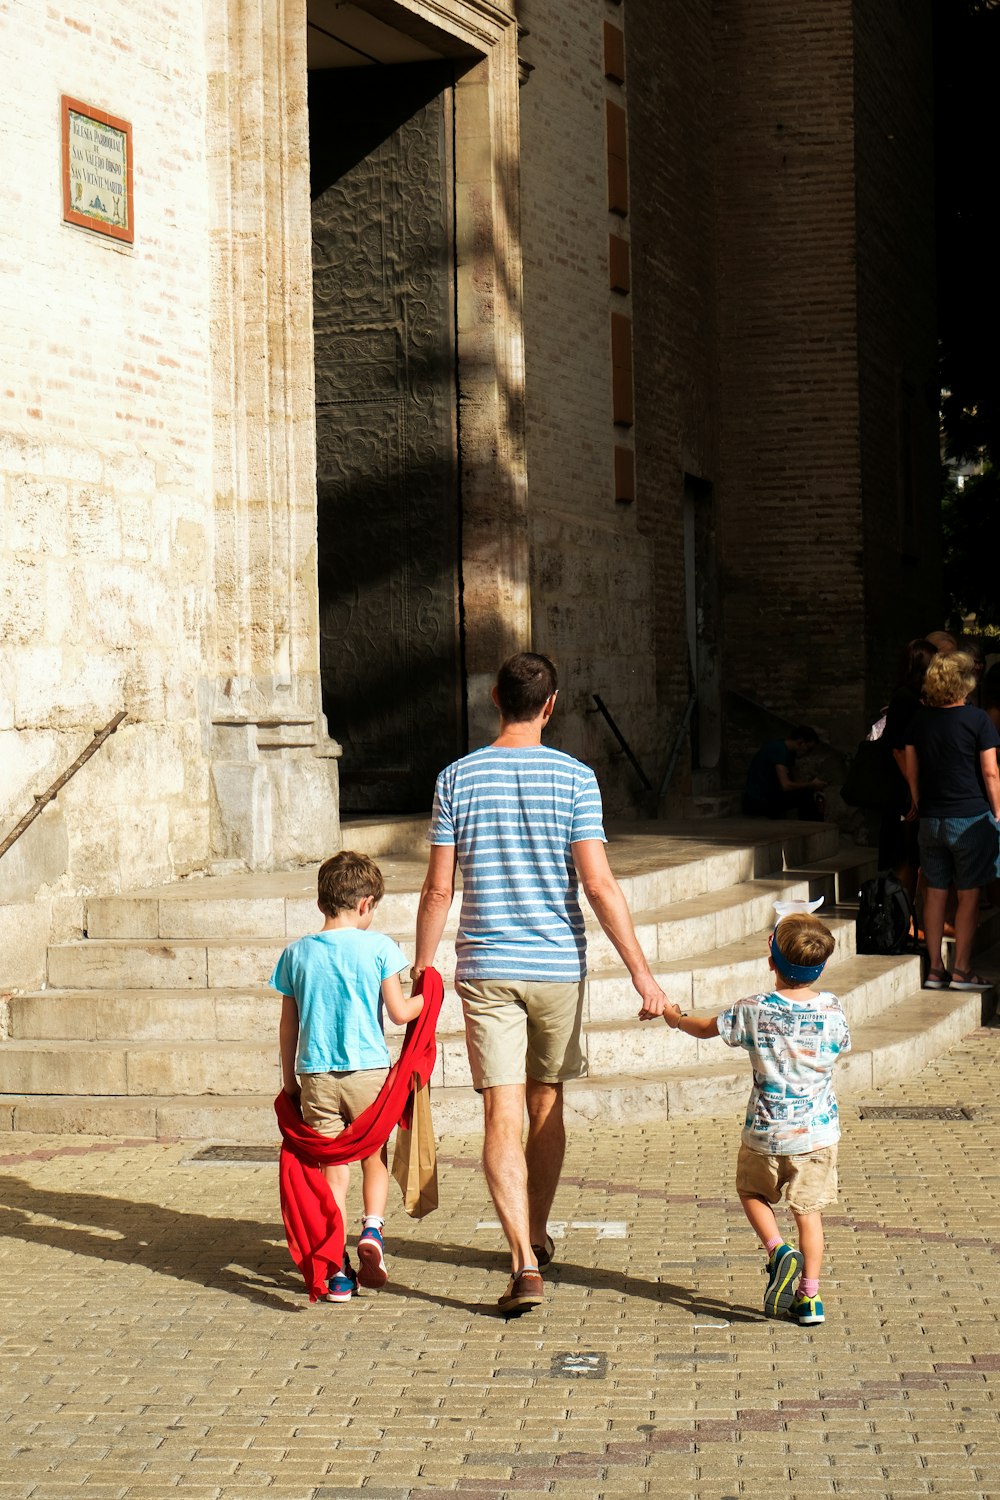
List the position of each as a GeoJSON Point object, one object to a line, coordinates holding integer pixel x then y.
{"type": "Point", "coordinates": [807, 1310]}
{"type": "Point", "coordinates": [342, 1287]}
{"type": "Point", "coordinates": [784, 1267]}
{"type": "Point", "coordinates": [371, 1261]}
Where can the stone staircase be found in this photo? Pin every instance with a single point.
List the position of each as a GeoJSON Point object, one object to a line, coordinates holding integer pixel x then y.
{"type": "Point", "coordinates": [160, 1021]}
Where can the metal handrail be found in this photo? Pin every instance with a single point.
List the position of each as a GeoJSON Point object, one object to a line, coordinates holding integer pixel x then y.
{"type": "Point", "coordinates": [622, 741]}
{"type": "Point", "coordinates": [46, 797]}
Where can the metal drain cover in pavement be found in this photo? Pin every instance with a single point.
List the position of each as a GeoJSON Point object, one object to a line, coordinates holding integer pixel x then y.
{"type": "Point", "coordinates": [916, 1112]}
{"type": "Point", "coordinates": [236, 1156]}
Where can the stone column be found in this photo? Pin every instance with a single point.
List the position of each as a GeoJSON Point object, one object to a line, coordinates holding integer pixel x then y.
{"type": "Point", "coordinates": [273, 766]}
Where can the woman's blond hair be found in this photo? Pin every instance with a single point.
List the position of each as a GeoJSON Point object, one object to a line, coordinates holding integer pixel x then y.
{"type": "Point", "coordinates": [951, 677]}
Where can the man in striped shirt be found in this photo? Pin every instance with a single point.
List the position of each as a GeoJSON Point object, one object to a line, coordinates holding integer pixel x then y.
{"type": "Point", "coordinates": [524, 825]}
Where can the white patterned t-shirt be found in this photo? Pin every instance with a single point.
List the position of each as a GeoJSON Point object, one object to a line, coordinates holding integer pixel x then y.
{"type": "Point", "coordinates": [793, 1046]}
{"type": "Point", "coordinates": [513, 815]}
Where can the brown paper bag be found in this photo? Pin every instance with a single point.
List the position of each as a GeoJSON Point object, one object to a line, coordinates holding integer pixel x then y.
{"type": "Point", "coordinates": [414, 1161]}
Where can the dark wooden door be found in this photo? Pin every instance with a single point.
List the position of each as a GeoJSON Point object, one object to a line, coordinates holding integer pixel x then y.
{"type": "Point", "coordinates": [383, 307]}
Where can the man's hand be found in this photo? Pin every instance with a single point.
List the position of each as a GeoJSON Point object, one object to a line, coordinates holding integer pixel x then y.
{"type": "Point", "coordinates": [292, 1090]}
{"type": "Point", "coordinates": [654, 1001]}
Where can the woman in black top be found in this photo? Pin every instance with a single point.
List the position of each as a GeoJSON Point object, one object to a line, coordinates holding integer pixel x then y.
{"type": "Point", "coordinates": [897, 838]}
{"type": "Point", "coordinates": [951, 768]}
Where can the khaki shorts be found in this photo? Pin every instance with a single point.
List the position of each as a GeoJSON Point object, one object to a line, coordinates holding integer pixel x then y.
{"type": "Point", "coordinates": [810, 1180]}
{"type": "Point", "coordinates": [517, 1028]}
{"type": "Point", "coordinates": [330, 1101]}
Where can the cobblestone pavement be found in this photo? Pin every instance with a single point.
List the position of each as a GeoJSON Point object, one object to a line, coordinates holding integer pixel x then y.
{"type": "Point", "coordinates": [156, 1339]}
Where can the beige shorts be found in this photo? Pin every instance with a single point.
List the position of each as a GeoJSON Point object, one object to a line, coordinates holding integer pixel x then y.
{"type": "Point", "coordinates": [330, 1101]}
{"type": "Point", "coordinates": [518, 1028]}
{"type": "Point", "coordinates": [809, 1180]}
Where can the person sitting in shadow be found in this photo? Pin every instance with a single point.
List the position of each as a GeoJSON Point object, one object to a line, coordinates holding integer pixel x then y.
{"type": "Point", "coordinates": [772, 789]}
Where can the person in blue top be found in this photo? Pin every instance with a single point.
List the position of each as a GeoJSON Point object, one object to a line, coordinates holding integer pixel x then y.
{"type": "Point", "coordinates": [794, 1036]}
{"type": "Point", "coordinates": [335, 983]}
{"type": "Point", "coordinates": [524, 825]}
{"type": "Point", "coordinates": [772, 787]}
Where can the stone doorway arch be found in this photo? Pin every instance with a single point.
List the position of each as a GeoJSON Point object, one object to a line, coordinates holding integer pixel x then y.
{"type": "Point", "coordinates": [273, 765]}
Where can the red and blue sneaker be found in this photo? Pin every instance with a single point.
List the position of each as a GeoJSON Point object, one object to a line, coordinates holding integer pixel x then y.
{"type": "Point", "coordinates": [371, 1259]}
{"type": "Point", "coordinates": [342, 1287]}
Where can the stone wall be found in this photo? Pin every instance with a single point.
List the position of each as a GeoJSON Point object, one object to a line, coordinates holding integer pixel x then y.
{"type": "Point", "coordinates": [105, 468]}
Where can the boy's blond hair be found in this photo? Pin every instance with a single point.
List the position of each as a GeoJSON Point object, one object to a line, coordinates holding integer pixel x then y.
{"type": "Point", "coordinates": [346, 879]}
{"type": "Point", "coordinates": [951, 677]}
{"type": "Point", "coordinates": [804, 940]}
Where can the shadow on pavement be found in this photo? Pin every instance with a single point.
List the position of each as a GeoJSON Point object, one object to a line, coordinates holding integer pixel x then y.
{"type": "Point", "coordinates": [248, 1258]}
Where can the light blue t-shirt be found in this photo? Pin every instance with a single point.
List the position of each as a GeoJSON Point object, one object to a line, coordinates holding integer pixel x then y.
{"type": "Point", "coordinates": [335, 979]}
{"type": "Point", "coordinates": [793, 1047]}
{"type": "Point", "coordinates": [512, 815]}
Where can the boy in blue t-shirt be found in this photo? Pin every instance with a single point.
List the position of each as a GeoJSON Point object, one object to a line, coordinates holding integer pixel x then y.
{"type": "Point", "coordinates": [335, 983]}
{"type": "Point", "coordinates": [794, 1035]}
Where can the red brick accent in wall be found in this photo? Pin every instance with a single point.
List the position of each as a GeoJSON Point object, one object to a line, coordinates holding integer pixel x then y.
{"type": "Point", "coordinates": [617, 159]}
{"type": "Point", "coordinates": [619, 263]}
{"type": "Point", "coordinates": [614, 53]}
{"type": "Point", "coordinates": [624, 475]}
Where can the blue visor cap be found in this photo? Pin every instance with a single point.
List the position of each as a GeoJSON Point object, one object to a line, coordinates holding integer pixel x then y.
{"type": "Point", "coordinates": [797, 973]}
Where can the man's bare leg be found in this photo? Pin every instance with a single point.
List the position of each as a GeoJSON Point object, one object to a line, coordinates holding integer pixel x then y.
{"type": "Point", "coordinates": [544, 1152]}
{"type": "Point", "coordinates": [506, 1169]}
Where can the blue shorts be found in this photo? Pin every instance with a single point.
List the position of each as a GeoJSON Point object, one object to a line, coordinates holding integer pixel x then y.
{"type": "Point", "coordinates": [964, 852]}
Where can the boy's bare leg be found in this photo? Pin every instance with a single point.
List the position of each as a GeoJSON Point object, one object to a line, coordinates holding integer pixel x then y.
{"type": "Point", "coordinates": [338, 1177]}
{"type": "Point", "coordinates": [811, 1243]}
{"type": "Point", "coordinates": [506, 1169]}
{"type": "Point", "coordinates": [761, 1216]}
{"type": "Point", "coordinates": [966, 921]}
{"type": "Point", "coordinates": [543, 1152]}
{"type": "Point", "coordinates": [375, 1183]}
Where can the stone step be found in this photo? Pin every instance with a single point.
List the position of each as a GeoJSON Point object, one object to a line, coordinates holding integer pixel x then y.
{"type": "Point", "coordinates": [655, 870]}
{"type": "Point", "coordinates": [184, 1052]}
{"type": "Point", "coordinates": [686, 927]}
{"type": "Point", "coordinates": [250, 1015]}
{"type": "Point", "coordinates": [898, 1043]}
{"type": "Point", "coordinates": [838, 878]}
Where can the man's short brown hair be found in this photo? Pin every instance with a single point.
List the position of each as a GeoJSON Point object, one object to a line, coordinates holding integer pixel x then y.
{"type": "Point", "coordinates": [804, 940]}
{"type": "Point", "coordinates": [525, 683]}
{"type": "Point", "coordinates": [345, 879]}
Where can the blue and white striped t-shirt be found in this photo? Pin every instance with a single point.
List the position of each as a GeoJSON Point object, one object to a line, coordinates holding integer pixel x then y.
{"type": "Point", "coordinates": [512, 815]}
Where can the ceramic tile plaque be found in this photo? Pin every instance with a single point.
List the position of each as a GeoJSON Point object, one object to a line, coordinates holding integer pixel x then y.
{"type": "Point", "coordinates": [97, 170]}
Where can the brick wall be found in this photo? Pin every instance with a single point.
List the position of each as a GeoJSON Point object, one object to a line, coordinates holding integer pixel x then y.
{"type": "Point", "coordinates": [105, 472]}
{"type": "Point", "coordinates": [590, 566]}
{"type": "Point", "coordinates": [669, 57]}
{"type": "Point", "coordinates": [897, 334]}
{"type": "Point", "coordinates": [792, 542]}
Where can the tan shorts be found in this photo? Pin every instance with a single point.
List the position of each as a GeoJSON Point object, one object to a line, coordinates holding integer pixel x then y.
{"type": "Point", "coordinates": [330, 1101]}
{"type": "Point", "coordinates": [810, 1180]}
{"type": "Point", "coordinates": [517, 1028]}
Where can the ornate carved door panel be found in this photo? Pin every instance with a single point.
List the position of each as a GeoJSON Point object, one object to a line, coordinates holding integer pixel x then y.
{"type": "Point", "coordinates": [383, 304]}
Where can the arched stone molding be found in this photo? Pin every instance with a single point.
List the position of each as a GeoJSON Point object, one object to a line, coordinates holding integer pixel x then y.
{"type": "Point", "coordinates": [274, 774]}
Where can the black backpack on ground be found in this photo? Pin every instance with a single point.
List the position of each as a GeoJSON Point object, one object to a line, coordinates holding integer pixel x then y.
{"type": "Point", "coordinates": [885, 916]}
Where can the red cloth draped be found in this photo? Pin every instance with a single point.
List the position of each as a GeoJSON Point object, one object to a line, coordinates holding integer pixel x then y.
{"type": "Point", "coordinates": [313, 1223]}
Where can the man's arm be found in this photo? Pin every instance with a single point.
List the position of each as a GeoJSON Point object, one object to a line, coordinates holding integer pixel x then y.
{"type": "Point", "coordinates": [288, 1041]}
{"type": "Point", "coordinates": [991, 779]}
{"type": "Point", "coordinates": [610, 908]}
{"type": "Point", "coordinates": [911, 769]}
{"type": "Point", "coordinates": [435, 903]}
{"type": "Point", "coordinates": [788, 785]}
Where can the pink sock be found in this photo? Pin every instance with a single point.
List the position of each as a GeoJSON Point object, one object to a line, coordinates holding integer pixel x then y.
{"type": "Point", "coordinates": [771, 1245]}
{"type": "Point", "coordinates": [808, 1286]}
